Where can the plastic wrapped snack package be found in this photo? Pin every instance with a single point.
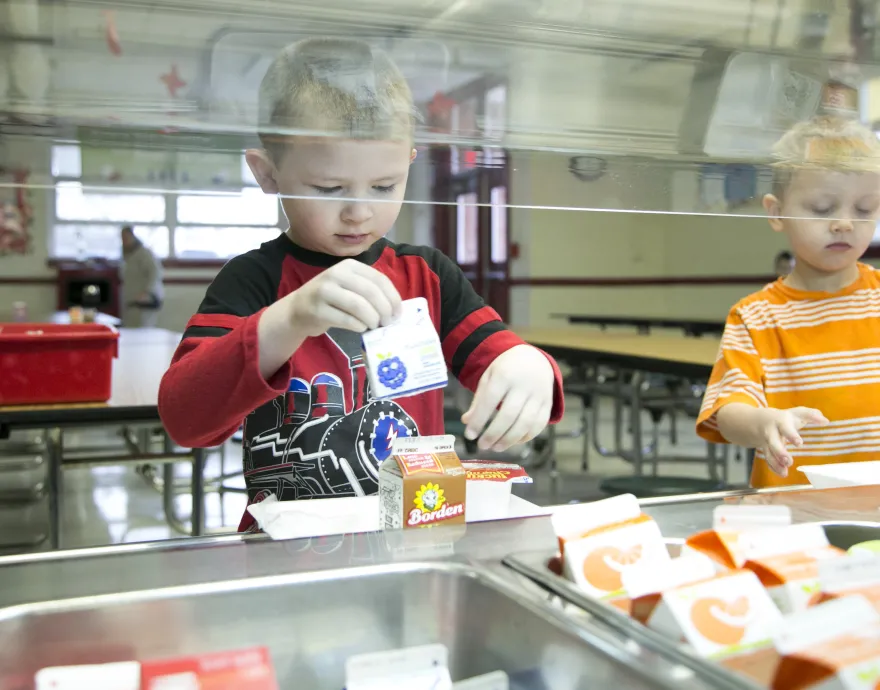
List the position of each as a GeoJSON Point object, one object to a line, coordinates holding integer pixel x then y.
{"type": "Point", "coordinates": [406, 357]}
{"type": "Point", "coordinates": [413, 668]}
{"type": "Point", "coordinates": [244, 669]}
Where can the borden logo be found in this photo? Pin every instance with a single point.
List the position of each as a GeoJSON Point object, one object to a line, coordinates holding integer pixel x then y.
{"type": "Point", "coordinates": [431, 506]}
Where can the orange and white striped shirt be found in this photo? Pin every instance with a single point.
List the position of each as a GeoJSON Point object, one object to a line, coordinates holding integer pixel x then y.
{"type": "Point", "coordinates": [786, 348]}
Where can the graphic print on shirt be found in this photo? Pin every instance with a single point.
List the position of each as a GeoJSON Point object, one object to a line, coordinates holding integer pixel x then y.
{"type": "Point", "coordinates": [325, 437]}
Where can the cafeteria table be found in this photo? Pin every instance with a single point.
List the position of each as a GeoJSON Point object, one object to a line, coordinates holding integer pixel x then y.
{"type": "Point", "coordinates": [693, 327]}
{"type": "Point", "coordinates": [63, 317]}
{"type": "Point", "coordinates": [672, 355]}
{"type": "Point", "coordinates": [675, 355]}
{"type": "Point", "coordinates": [144, 356]}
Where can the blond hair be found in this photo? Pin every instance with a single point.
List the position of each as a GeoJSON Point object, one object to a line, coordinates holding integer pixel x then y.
{"type": "Point", "coordinates": [334, 86]}
{"type": "Point", "coordinates": [824, 143]}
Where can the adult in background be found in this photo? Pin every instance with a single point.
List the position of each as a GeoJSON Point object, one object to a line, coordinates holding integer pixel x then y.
{"type": "Point", "coordinates": [784, 264]}
{"type": "Point", "coordinates": [141, 275]}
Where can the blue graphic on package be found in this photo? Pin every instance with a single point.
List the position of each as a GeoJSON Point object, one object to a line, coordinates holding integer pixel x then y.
{"type": "Point", "coordinates": [391, 372]}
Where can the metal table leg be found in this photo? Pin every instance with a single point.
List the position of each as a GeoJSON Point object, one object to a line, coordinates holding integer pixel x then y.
{"type": "Point", "coordinates": [197, 483]}
{"type": "Point", "coordinates": [635, 409]}
{"type": "Point", "coordinates": [55, 477]}
{"type": "Point", "coordinates": [198, 492]}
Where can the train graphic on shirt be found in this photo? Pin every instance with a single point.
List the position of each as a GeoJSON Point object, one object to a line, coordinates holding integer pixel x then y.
{"type": "Point", "coordinates": [324, 437]}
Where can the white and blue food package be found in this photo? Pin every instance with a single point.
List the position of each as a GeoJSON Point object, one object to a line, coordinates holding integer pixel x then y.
{"type": "Point", "coordinates": [406, 357]}
{"type": "Point", "coordinates": [414, 668]}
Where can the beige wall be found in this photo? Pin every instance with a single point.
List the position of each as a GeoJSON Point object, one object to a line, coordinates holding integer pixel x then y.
{"type": "Point", "coordinates": [600, 241]}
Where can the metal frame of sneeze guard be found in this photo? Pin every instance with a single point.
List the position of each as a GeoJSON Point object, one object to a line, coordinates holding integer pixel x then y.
{"type": "Point", "coordinates": [532, 565]}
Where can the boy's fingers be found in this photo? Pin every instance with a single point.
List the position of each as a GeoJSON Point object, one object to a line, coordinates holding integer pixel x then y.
{"type": "Point", "coordinates": [508, 426]}
{"type": "Point", "coordinates": [809, 415]}
{"type": "Point", "coordinates": [490, 393]}
{"type": "Point", "coordinates": [775, 463]}
{"type": "Point", "coordinates": [384, 284]}
{"type": "Point", "coordinates": [352, 304]}
{"type": "Point", "coordinates": [777, 451]}
{"type": "Point", "coordinates": [341, 319]}
{"type": "Point", "coordinates": [789, 433]}
{"type": "Point", "coordinates": [372, 293]}
{"type": "Point", "coordinates": [537, 416]}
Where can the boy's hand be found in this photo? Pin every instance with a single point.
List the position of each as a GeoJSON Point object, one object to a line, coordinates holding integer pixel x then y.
{"type": "Point", "coordinates": [520, 381]}
{"type": "Point", "coordinates": [779, 427]}
{"type": "Point", "coordinates": [350, 295]}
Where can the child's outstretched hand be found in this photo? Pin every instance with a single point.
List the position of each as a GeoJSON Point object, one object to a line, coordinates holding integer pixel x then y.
{"type": "Point", "coordinates": [780, 427]}
{"type": "Point", "coordinates": [350, 295]}
{"type": "Point", "coordinates": [521, 382]}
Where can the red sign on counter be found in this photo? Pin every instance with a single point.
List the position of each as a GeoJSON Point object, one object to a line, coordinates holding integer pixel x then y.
{"type": "Point", "coordinates": [247, 669]}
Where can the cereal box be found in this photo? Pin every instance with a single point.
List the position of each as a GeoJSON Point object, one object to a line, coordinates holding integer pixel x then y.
{"type": "Point", "coordinates": [422, 484]}
{"type": "Point", "coordinates": [731, 612]}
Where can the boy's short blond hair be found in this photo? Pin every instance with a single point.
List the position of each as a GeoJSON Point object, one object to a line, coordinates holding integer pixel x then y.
{"type": "Point", "coordinates": [330, 86]}
{"type": "Point", "coordinates": [824, 143]}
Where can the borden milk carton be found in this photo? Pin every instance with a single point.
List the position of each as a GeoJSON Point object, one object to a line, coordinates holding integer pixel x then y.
{"type": "Point", "coordinates": [832, 646]}
{"type": "Point", "coordinates": [422, 484]}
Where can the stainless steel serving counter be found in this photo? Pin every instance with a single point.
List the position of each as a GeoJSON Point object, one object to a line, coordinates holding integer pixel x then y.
{"type": "Point", "coordinates": [316, 601]}
{"type": "Point", "coordinates": [129, 567]}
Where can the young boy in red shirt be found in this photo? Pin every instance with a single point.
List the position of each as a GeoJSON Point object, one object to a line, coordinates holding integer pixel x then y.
{"type": "Point", "coordinates": [276, 341]}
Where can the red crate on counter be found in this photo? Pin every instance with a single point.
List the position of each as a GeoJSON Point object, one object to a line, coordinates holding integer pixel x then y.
{"type": "Point", "coordinates": [56, 363]}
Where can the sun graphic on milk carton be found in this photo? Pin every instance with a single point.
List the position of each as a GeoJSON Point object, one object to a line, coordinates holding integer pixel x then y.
{"type": "Point", "coordinates": [429, 497]}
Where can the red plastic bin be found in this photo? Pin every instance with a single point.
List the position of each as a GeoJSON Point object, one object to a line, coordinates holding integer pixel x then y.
{"type": "Point", "coordinates": [56, 363]}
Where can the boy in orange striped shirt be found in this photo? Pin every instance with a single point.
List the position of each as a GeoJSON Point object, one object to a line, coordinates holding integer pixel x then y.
{"type": "Point", "coordinates": [798, 372]}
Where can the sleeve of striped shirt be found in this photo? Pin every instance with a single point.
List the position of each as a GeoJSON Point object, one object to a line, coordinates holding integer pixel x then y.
{"type": "Point", "coordinates": [473, 334]}
{"type": "Point", "coordinates": [736, 377]}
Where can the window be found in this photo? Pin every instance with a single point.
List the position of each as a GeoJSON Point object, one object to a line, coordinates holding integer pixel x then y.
{"type": "Point", "coordinates": [498, 200]}
{"type": "Point", "coordinates": [251, 207]}
{"type": "Point", "coordinates": [466, 245]}
{"type": "Point", "coordinates": [73, 203]}
{"type": "Point", "coordinates": [211, 224]}
{"type": "Point", "coordinates": [83, 241]}
{"type": "Point", "coordinates": [207, 242]}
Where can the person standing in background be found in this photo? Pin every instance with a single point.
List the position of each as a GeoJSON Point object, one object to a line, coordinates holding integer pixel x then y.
{"type": "Point", "coordinates": [141, 276]}
{"type": "Point", "coordinates": [784, 264]}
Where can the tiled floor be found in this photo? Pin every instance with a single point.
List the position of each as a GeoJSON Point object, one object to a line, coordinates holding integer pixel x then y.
{"type": "Point", "coordinates": [113, 504]}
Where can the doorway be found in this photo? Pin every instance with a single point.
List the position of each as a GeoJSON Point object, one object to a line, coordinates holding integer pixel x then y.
{"type": "Point", "coordinates": [470, 190]}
